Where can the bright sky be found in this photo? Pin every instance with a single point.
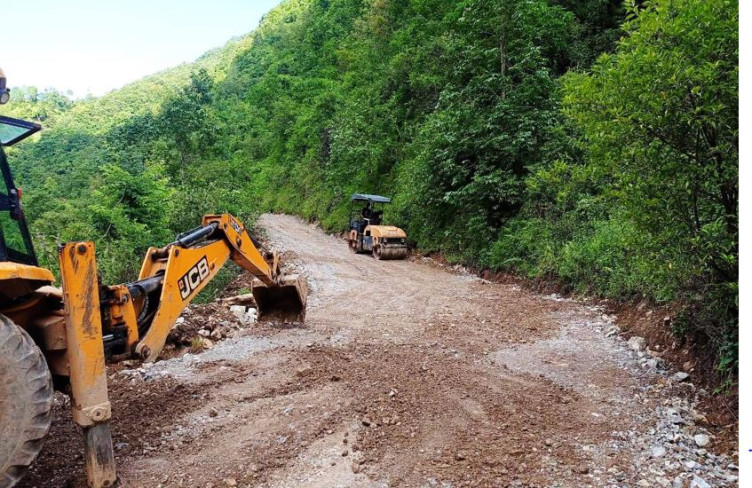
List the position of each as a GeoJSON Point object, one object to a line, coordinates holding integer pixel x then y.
{"type": "Point", "coordinates": [94, 46]}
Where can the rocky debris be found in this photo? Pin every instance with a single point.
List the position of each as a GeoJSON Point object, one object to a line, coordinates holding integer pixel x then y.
{"type": "Point", "coordinates": [245, 315]}
{"type": "Point", "coordinates": [680, 376]}
{"type": "Point", "coordinates": [637, 343]}
{"type": "Point", "coordinates": [658, 451]}
{"type": "Point", "coordinates": [674, 457]}
{"type": "Point", "coordinates": [145, 372]}
{"type": "Point", "coordinates": [655, 363]}
{"type": "Point", "coordinates": [613, 331]}
{"type": "Point", "coordinates": [582, 469]}
{"type": "Point", "coordinates": [238, 311]}
{"type": "Point", "coordinates": [698, 482]}
{"type": "Point", "coordinates": [702, 440]}
{"type": "Point", "coordinates": [555, 297]}
{"type": "Point", "coordinates": [674, 453]}
{"type": "Point", "coordinates": [202, 326]}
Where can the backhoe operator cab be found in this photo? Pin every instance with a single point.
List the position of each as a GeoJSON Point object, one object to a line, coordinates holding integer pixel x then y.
{"type": "Point", "coordinates": [367, 232]}
{"type": "Point", "coordinates": [20, 273]}
{"type": "Point", "coordinates": [15, 241]}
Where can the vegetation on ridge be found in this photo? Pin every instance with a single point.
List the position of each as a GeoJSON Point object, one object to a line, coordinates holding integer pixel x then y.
{"type": "Point", "coordinates": [593, 143]}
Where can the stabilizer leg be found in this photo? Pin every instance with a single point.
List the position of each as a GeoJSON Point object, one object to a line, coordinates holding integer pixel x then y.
{"type": "Point", "coordinates": [85, 351]}
{"type": "Point", "coordinates": [100, 458]}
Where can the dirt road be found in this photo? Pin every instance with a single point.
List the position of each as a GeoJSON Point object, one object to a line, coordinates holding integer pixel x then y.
{"type": "Point", "coordinates": [404, 374]}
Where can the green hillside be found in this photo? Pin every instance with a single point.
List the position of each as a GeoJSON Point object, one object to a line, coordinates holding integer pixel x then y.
{"type": "Point", "coordinates": [588, 143]}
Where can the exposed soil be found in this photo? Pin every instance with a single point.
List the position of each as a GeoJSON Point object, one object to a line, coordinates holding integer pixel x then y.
{"type": "Point", "coordinates": [654, 322]}
{"type": "Point", "coordinates": [404, 374]}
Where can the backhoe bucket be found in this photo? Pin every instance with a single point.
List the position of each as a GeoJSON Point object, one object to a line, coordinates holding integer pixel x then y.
{"type": "Point", "coordinates": [284, 301]}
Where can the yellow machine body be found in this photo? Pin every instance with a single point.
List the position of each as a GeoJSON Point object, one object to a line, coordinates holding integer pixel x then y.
{"type": "Point", "coordinates": [385, 232]}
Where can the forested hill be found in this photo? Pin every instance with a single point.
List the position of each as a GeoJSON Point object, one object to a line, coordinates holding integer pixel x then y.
{"type": "Point", "coordinates": [585, 142]}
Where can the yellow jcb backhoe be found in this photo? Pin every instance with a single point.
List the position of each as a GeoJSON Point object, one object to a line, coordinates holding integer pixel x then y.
{"type": "Point", "coordinates": [62, 338]}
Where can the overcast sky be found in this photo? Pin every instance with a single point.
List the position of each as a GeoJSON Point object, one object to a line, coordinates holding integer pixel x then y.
{"type": "Point", "coordinates": [89, 46]}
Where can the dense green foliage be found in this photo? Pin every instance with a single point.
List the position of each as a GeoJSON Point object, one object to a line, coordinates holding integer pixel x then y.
{"type": "Point", "coordinates": [583, 142]}
{"type": "Point", "coordinates": [651, 208]}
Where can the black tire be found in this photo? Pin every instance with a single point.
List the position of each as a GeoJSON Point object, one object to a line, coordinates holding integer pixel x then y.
{"type": "Point", "coordinates": [25, 401]}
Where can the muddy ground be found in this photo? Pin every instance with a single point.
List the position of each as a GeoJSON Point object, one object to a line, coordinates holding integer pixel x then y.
{"type": "Point", "coordinates": [404, 374]}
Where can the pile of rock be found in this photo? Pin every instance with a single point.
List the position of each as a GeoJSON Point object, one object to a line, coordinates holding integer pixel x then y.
{"type": "Point", "coordinates": [245, 315]}
{"type": "Point", "coordinates": [648, 359]}
{"type": "Point", "coordinates": [212, 331]}
{"type": "Point", "coordinates": [676, 452]}
{"type": "Point", "coordinates": [201, 326]}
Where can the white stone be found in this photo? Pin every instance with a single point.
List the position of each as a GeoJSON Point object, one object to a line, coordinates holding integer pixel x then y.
{"type": "Point", "coordinates": [238, 311]}
{"type": "Point", "coordinates": [698, 482]}
{"type": "Point", "coordinates": [702, 440]}
{"type": "Point", "coordinates": [250, 316]}
{"type": "Point", "coordinates": [658, 451]}
{"type": "Point", "coordinates": [680, 376]}
{"type": "Point", "coordinates": [637, 343]}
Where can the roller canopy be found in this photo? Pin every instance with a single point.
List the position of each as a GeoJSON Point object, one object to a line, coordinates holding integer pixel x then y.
{"type": "Point", "coordinates": [370, 198]}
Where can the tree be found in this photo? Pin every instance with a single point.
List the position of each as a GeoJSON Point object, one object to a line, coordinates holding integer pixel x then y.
{"type": "Point", "coordinates": [660, 117]}
{"type": "Point", "coordinates": [494, 118]}
{"type": "Point", "coordinates": [187, 120]}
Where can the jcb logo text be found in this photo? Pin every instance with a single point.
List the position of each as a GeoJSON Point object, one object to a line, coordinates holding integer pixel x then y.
{"type": "Point", "coordinates": [194, 277]}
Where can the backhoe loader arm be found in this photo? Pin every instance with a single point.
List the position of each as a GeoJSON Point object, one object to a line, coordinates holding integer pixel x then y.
{"type": "Point", "coordinates": [243, 250]}
{"type": "Point", "coordinates": [181, 269]}
{"type": "Point", "coordinates": [136, 317]}
{"type": "Point", "coordinates": [110, 323]}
